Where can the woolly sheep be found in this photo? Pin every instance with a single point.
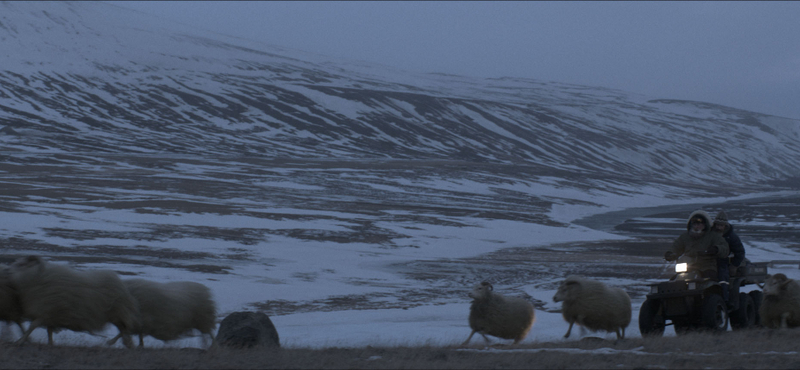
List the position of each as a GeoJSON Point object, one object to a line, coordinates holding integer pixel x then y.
{"type": "Point", "coordinates": [780, 307]}
{"type": "Point", "coordinates": [496, 315]}
{"type": "Point", "coordinates": [171, 310]}
{"type": "Point", "coordinates": [10, 307]}
{"type": "Point", "coordinates": [594, 305]}
{"type": "Point", "coordinates": [59, 297]}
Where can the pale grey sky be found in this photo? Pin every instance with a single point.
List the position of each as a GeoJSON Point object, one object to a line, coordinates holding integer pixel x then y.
{"type": "Point", "coordinates": [740, 54]}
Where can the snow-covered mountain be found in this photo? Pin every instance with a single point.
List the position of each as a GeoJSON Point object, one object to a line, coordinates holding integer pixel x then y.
{"type": "Point", "coordinates": [94, 77]}
{"type": "Point", "coordinates": [353, 203]}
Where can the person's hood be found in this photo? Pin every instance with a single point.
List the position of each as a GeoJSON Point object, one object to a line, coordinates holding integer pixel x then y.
{"type": "Point", "coordinates": [728, 231]}
{"type": "Point", "coordinates": [702, 214]}
{"type": "Point", "coordinates": [722, 218]}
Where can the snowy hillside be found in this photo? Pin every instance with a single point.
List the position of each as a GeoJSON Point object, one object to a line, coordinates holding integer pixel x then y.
{"type": "Point", "coordinates": [353, 203]}
{"type": "Point", "coordinates": [82, 77]}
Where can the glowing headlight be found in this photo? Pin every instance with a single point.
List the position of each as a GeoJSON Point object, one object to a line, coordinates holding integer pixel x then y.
{"type": "Point", "coordinates": [681, 267]}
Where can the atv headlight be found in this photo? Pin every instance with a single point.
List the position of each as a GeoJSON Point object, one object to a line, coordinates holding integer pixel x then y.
{"type": "Point", "coordinates": [681, 267]}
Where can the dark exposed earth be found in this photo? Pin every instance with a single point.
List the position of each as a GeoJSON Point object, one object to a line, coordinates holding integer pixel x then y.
{"type": "Point", "coordinates": [45, 184]}
{"type": "Point", "coordinates": [56, 185]}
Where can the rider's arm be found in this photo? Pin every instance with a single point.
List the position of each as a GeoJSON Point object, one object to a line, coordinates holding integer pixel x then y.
{"type": "Point", "coordinates": [722, 246]}
{"type": "Point", "coordinates": [737, 249]}
{"type": "Point", "coordinates": [678, 246]}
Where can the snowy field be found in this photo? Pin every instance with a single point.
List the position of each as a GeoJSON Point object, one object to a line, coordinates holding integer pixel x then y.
{"type": "Point", "coordinates": [348, 256]}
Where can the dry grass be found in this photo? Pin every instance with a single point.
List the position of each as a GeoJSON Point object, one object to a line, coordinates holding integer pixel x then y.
{"type": "Point", "coordinates": [733, 350]}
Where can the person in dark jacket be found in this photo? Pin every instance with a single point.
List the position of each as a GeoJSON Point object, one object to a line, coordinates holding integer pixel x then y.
{"type": "Point", "coordinates": [723, 227]}
{"type": "Point", "coordinates": [700, 242]}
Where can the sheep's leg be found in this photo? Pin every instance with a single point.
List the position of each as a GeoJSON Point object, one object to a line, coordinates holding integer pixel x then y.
{"type": "Point", "coordinates": [127, 341]}
{"type": "Point", "coordinates": [25, 334]}
{"type": "Point", "coordinates": [141, 340]}
{"type": "Point", "coordinates": [486, 338]}
{"type": "Point", "coordinates": [784, 318]}
{"type": "Point", "coordinates": [21, 328]}
{"type": "Point", "coordinates": [34, 324]}
{"type": "Point", "coordinates": [205, 340]}
{"type": "Point", "coordinates": [569, 331]}
{"type": "Point", "coordinates": [469, 338]}
{"type": "Point", "coordinates": [620, 334]}
{"type": "Point", "coordinates": [49, 335]}
{"type": "Point", "coordinates": [204, 335]}
{"type": "Point", "coordinates": [114, 340]}
{"type": "Point", "coordinates": [124, 334]}
{"type": "Point", "coordinates": [8, 333]}
{"type": "Point", "coordinates": [581, 320]}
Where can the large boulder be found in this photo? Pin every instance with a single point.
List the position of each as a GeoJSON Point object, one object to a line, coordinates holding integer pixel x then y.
{"type": "Point", "coordinates": [247, 329]}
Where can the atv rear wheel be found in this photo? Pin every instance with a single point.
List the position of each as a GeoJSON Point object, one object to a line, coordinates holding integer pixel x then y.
{"type": "Point", "coordinates": [651, 321]}
{"type": "Point", "coordinates": [715, 313]}
{"type": "Point", "coordinates": [745, 316]}
{"type": "Point", "coordinates": [757, 297]}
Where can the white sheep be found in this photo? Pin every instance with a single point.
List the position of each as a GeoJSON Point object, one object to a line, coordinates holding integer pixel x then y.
{"type": "Point", "coordinates": [496, 315]}
{"type": "Point", "coordinates": [780, 307]}
{"type": "Point", "coordinates": [594, 306]}
{"type": "Point", "coordinates": [59, 297]}
{"type": "Point", "coordinates": [172, 310]}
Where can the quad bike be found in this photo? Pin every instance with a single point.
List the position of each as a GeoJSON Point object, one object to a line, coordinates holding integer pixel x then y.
{"type": "Point", "coordinates": [692, 302]}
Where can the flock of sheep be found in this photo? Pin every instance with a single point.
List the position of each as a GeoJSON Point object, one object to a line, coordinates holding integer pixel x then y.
{"type": "Point", "coordinates": [598, 307]}
{"type": "Point", "coordinates": [59, 297]}
{"type": "Point", "coordinates": [589, 303]}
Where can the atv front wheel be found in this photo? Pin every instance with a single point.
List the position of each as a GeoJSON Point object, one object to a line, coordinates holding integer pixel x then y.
{"type": "Point", "coordinates": [651, 321]}
{"type": "Point", "coordinates": [715, 313]}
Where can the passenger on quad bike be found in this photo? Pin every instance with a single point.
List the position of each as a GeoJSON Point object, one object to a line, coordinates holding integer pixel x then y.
{"type": "Point", "coordinates": [699, 241]}
{"type": "Point", "coordinates": [723, 227]}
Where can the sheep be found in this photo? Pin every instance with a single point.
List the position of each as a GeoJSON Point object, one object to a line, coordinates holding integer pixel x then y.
{"type": "Point", "coordinates": [780, 307]}
{"type": "Point", "coordinates": [594, 306]}
{"type": "Point", "coordinates": [59, 297]}
{"type": "Point", "coordinates": [171, 310]}
{"type": "Point", "coordinates": [10, 307]}
{"type": "Point", "coordinates": [496, 315]}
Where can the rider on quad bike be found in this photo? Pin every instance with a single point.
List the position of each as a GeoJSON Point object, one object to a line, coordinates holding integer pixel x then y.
{"type": "Point", "coordinates": [699, 241]}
